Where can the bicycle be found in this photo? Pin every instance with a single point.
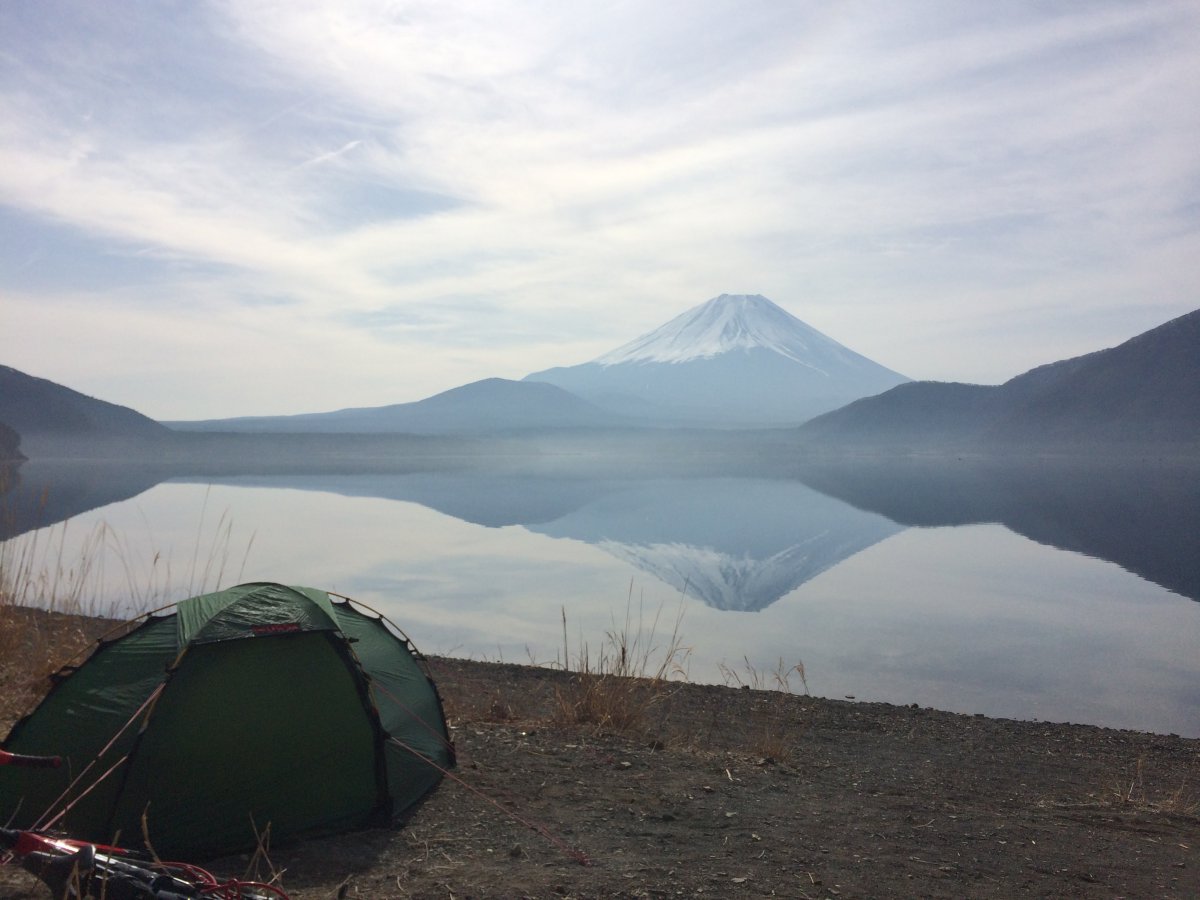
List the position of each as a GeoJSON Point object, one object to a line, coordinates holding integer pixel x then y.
{"type": "Point", "coordinates": [79, 870]}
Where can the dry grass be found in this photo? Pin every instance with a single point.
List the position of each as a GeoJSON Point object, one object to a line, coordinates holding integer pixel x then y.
{"type": "Point", "coordinates": [774, 723]}
{"type": "Point", "coordinates": [43, 623]}
{"type": "Point", "coordinates": [40, 569]}
{"type": "Point", "coordinates": [33, 645]}
{"type": "Point", "coordinates": [42, 619]}
{"type": "Point", "coordinates": [1139, 789]}
{"type": "Point", "coordinates": [53, 604]}
{"type": "Point", "coordinates": [626, 686]}
{"type": "Point", "coordinates": [55, 568]}
{"type": "Point", "coordinates": [614, 689]}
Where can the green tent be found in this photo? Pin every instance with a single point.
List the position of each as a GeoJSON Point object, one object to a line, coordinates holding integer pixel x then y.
{"type": "Point", "coordinates": [262, 705]}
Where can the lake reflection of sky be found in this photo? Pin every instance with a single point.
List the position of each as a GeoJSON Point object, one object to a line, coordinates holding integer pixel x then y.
{"type": "Point", "coordinates": [973, 618]}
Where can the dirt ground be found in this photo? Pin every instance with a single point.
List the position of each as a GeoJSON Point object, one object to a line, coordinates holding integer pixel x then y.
{"type": "Point", "coordinates": [727, 792]}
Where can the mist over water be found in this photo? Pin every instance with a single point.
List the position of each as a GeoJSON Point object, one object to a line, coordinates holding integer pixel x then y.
{"type": "Point", "coordinates": [1047, 591]}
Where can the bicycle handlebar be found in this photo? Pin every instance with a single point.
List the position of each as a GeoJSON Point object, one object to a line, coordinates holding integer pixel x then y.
{"type": "Point", "coordinates": [32, 762]}
{"type": "Point", "coordinates": [85, 870]}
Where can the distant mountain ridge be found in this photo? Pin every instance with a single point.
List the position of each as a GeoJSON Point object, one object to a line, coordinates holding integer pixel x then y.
{"type": "Point", "coordinates": [734, 350]}
{"type": "Point", "coordinates": [493, 405]}
{"type": "Point", "coordinates": [44, 413]}
{"type": "Point", "coordinates": [1141, 392]}
{"type": "Point", "coordinates": [736, 361]}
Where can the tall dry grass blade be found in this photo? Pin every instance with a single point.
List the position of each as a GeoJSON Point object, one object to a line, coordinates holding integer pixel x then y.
{"type": "Point", "coordinates": [613, 689]}
{"type": "Point", "coordinates": [775, 720]}
{"type": "Point", "coordinates": [56, 597]}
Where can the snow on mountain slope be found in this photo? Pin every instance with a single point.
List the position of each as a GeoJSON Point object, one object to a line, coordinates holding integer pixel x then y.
{"type": "Point", "coordinates": [743, 583]}
{"type": "Point", "coordinates": [736, 361]}
{"type": "Point", "coordinates": [733, 322]}
{"type": "Point", "coordinates": [734, 543]}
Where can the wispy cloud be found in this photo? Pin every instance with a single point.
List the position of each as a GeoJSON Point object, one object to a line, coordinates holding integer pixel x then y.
{"type": "Point", "coordinates": [322, 158]}
{"type": "Point", "coordinates": [959, 192]}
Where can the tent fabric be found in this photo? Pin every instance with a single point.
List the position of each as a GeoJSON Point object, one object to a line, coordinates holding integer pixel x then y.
{"type": "Point", "coordinates": [277, 707]}
{"type": "Point", "coordinates": [250, 610]}
{"type": "Point", "coordinates": [400, 702]}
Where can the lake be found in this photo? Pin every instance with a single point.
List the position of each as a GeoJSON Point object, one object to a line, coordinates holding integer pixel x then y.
{"type": "Point", "coordinates": [1043, 591]}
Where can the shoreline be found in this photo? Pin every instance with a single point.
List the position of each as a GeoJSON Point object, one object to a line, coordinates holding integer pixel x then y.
{"type": "Point", "coordinates": [720, 791]}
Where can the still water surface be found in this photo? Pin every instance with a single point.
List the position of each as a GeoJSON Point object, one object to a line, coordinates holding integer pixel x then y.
{"type": "Point", "coordinates": [1033, 596]}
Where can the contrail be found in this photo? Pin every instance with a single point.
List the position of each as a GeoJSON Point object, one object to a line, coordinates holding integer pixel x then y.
{"type": "Point", "coordinates": [326, 157]}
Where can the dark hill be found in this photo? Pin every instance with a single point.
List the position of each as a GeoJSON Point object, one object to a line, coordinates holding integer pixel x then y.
{"type": "Point", "coordinates": [911, 415]}
{"type": "Point", "coordinates": [54, 420]}
{"type": "Point", "coordinates": [1140, 394]}
{"type": "Point", "coordinates": [10, 445]}
{"type": "Point", "coordinates": [1148, 388]}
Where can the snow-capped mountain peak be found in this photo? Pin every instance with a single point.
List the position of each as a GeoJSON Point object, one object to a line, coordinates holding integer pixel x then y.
{"type": "Point", "coordinates": [724, 324]}
{"type": "Point", "coordinates": [736, 361]}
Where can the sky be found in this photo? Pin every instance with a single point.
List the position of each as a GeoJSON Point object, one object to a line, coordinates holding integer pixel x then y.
{"type": "Point", "coordinates": [212, 208]}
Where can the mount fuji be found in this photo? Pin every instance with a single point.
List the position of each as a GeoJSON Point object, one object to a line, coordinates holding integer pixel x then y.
{"type": "Point", "coordinates": [736, 361]}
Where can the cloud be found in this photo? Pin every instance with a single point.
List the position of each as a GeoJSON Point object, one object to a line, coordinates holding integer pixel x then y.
{"type": "Point", "coordinates": [322, 158]}
{"type": "Point", "coordinates": [525, 185]}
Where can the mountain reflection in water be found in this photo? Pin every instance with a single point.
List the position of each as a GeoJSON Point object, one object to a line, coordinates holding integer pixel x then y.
{"type": "Point", "coordinates": [1144, 519]}
{"type": "Point", "coordinates": [734, 543]}
{"type": "Point", "coordinates": [737, 542]}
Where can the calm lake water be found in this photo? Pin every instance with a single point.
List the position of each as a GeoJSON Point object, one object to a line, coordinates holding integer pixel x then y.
{"type": "Point", "coordinates": [1044, 592]}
